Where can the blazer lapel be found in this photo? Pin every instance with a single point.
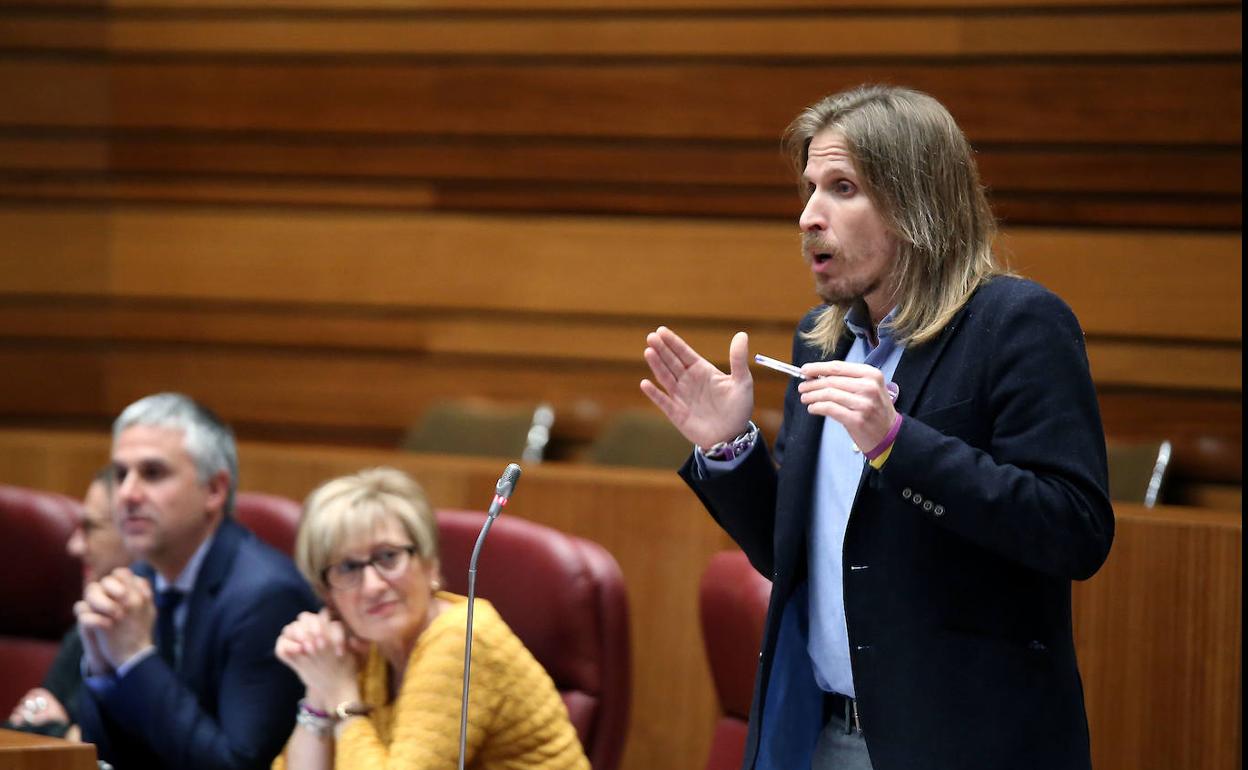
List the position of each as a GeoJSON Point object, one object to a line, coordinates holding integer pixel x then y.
{"type": "Point", "coordinates": [801, 458]}
{"type": "Point", "coordinates": [212, 574]}
{"type": "Point", "coordinates": [916, 366]}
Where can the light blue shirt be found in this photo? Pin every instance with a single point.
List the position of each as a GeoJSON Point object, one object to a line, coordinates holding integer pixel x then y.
{"type": "Point", "coordinates": [836, 486]}
{"type": "Point", "coordinates": [840, 466]}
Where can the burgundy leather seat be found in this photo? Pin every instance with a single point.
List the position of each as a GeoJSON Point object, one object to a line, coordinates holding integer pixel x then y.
{"type": "Point", "coordinates": [564, 597]}
{"type": "Point", "coordinates": [733, 603]}
{"type": "Point", "coordinates": [273, 519]}
{"type": "Point", "coordinates": [41, 584]}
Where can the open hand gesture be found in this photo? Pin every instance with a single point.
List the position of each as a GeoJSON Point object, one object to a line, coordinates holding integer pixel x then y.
{"type": "Point", "coordinates": [706, 405]}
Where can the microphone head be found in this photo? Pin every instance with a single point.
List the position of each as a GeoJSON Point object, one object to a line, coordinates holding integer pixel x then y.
{"type": "Point", "coordinates": [507, 482]}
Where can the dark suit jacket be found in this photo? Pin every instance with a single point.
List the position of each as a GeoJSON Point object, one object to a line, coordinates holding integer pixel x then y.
{"type": "Point", "coordinates": [231, 704]}
{"type": "Point", "coordinates": [959, 553]}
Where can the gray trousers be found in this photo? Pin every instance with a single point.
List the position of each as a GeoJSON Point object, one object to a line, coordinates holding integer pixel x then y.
{"type": "Point", "coordinates": [839, 749]}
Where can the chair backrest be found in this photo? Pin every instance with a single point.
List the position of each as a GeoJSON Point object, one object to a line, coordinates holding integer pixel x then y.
{"type": "Point", "coordinates": [641, 438]}
{"type": "Point", "coordinates": [273, 519]}
{"type": "Point", "coordinates": [564, 597]}
{"type": "Point", "coordinates": [488, 429]}
{"type": "Point", "coordinates": [1137, 472]}
{"type": "Point", "coordinates": [43, 582]}
{"type": "Point", "coordinates": [733, 604]}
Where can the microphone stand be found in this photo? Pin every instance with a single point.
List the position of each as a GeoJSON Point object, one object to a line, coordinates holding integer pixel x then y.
{"type": "Point", "coordinates": [502, 493]}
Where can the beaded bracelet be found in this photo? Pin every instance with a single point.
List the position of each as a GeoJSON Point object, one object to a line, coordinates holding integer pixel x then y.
{"type": "Point", "coordinates": [728, 450]}
{"type": "Point", "coordinates": [313, 720]}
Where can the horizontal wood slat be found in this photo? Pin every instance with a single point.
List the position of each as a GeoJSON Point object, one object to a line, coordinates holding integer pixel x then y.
{"type": "Point", "coordinates": [589, 340]}
{"type": "Point", "coordinates": [360, 396]}
{"type": "Point", "coordinates": [1205, 171]}
{"type": "Point", "coordinates": [528, 6]}
{"type": "Point", "coordinates": [777, 203]}
{"type": "Point", "coordinates": [1118, 282]}
{"type": "Point", "coordinates": [1014, 34]}
{"type": "Point", "coordinates": [1178, 103]}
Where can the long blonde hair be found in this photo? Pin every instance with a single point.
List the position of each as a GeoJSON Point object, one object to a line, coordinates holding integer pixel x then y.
{"type": "Point", "coordinates": [920, 174]}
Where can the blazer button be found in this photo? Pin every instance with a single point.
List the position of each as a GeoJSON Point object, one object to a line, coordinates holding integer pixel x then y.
{"type": "Point", "coordinates": [938, 510]}
{"type": "Point", "coordinates": [927, 505]}
{"type": "Point", "coordinates": [917, 498]}
{"type": "Point", "coordinates": [906, 493]}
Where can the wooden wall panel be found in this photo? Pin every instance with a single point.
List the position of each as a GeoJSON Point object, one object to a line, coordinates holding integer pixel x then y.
{"type": "Point", "coordinates": [382, 314]}
{"type": "Point", "coordinates": [791, 36]}
{"type": "Point", "coordinates": [1183, 103]}
{"type": "Point", "coordinates": [1161, 624]}
{"type": "Point", "coordinates": [514, 6]}
{"type": "Point", "coordinates": [659, 268]}
{"type": "Point", "coordinates": [340, 186]}
{"type": "Point", "coordinates": [355, 396]}
{"type": "Point", "coordinates": [446, 159]}
{"type": "Point", "coordinates": [1158, 629]}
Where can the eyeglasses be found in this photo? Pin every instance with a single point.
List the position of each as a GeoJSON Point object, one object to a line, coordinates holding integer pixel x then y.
{"type": "Point", "coordinates": [390, 561]}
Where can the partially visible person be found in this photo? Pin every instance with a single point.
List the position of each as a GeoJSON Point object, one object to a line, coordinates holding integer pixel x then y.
{"type": "Point", "coordinates": [383, 662]}
{"type": "Point", "coordinates": [52, 708]}
{"type": "Point", "coordinates": [191, 683]}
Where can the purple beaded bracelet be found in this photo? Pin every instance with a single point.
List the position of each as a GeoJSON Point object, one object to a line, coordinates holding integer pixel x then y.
{"type": "Point", "coordinates": [888, 440]}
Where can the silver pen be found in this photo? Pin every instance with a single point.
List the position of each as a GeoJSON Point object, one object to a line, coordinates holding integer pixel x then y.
{"type": "Point", "coordinates": [793, 371]}
{"type": "Point", "coordinates": [779, 366]}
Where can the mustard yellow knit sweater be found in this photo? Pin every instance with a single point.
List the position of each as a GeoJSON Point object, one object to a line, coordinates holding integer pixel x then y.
{"type": "Point", "coordinates": [516, 719]}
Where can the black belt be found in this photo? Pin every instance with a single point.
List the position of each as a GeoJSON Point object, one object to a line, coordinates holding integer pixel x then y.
{"type": "Point", "coordinates": [844, 708]}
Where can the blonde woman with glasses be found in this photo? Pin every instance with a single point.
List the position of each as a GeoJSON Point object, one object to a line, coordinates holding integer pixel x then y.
{"type": "Point", "coordinates": [383, 662]}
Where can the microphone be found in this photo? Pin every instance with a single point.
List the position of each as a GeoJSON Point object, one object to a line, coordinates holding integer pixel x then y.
{"type": "Point", "coordinates": [502, 493]}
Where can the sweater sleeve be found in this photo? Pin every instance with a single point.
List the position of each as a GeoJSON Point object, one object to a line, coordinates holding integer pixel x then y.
{"type": "Point", "coordinates": [515, 715]}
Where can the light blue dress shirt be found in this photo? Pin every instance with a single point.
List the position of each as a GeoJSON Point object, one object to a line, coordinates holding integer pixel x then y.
{"type": "Point", "coordinates": [836, 486]}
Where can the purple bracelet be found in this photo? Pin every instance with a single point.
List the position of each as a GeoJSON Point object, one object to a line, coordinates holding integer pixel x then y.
{"type": "Point", "coordinates": [888, 440]}
{"type": "Point", "coordinates": [304, 707]}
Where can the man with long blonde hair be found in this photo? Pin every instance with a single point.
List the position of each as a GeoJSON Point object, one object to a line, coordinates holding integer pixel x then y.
{"type": "Point", "coordinates": [939, 480]}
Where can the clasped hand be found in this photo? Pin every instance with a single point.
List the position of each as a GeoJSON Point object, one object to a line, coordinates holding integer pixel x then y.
{"type": "Point", "coordinates": [115, 619]}
{"type": "Point", "coordinates": [325, 656]}
{"type": "Point", "coordinates": [855, 395]}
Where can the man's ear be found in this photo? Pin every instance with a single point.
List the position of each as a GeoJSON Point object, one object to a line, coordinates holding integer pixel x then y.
{"type": "Point", "coordinates": [218, 491]}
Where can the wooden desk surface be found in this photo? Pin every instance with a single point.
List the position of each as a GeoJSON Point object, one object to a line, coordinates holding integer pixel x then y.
{"type": "Point", "coordinates": [26, 751]}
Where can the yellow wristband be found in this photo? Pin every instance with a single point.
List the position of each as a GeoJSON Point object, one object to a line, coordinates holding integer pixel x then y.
{"type": "Point", "coordinates": [879, 461]}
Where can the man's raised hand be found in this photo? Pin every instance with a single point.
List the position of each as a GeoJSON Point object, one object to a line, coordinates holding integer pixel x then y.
{"type": "Point", "coordinates": [706, 405]}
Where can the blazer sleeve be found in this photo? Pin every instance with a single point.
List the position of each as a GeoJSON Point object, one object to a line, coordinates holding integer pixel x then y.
{"type": "Point", "coordinates": [743, 501]}
{"type": "Point", "coordinates": [1035, 493]}
{"type": "Point", "coordinates": [256, 695]}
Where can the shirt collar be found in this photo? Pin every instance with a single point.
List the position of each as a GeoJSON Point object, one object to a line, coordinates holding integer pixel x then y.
{"type": "Point", "coordinates": [858, 319]}
{"type": "Point", "coordinates": [185, 580]}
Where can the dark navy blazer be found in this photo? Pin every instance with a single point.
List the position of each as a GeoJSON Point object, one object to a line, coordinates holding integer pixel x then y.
{"type": "Point", "coordinates": [231, 703]}
{"type": "Point", "coordinates": [959, 553]}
